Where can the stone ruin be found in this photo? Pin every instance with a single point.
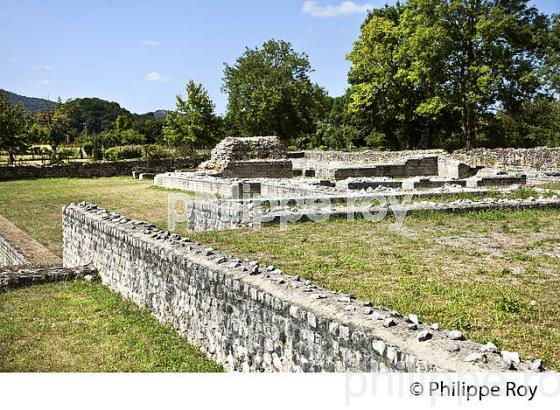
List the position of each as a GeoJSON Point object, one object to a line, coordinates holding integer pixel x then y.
{"type": "Point", "coordinates": [255, 157]}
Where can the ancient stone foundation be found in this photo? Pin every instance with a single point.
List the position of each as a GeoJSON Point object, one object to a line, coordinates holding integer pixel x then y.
{"type": "Point", "coordinates": [13, 278]}
{"type": "Point", "coordinates": [10, 255]}
{"type": "Point", "coordinates": [254, 318]}
{"type": "Point", "coordinates": [513, 159]}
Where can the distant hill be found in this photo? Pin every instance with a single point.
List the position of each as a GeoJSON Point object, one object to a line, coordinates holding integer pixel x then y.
{"type": "Point", "coordinates": [31, 104]}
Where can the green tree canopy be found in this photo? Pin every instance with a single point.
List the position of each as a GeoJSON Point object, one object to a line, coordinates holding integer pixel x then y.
{"type": "Point", "coordinates": [52, 127]}
{"type": "Point", "coordinates": [13, 128]}
{"type": "Point", "coordinates": [194, 122]}
{"type": "Point", "coordinates": [432, 67]}
{"type": "Point", "coordinates": [270, 93]}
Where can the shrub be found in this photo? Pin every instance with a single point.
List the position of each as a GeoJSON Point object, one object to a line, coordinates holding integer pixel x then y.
{"type": "Point", "coordinates": [155, 153]}
{"type": "Point", "coordinates": [88, 147]}
{"type": "Point", "coordinates": [124, 152]}
{"type": "Point", "coordinates": [66, 153]}
{"type": "Point", "coordinates": [115, 138]}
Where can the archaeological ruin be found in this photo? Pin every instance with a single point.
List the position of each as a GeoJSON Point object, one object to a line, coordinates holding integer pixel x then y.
{"type": "Point", "coordinates": [250, 317]}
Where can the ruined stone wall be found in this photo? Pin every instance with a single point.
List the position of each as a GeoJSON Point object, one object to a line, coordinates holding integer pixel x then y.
{"type": "Point", "coordinates": [369, 155]}
{"type": "Point", "coordinates": [9, 255]}
{"type": "Point", "coordinates": [202, 184]}
{"type": "Point", "coordinates": [258, 169]}
{"type": "Point", "coordinates": [424, 166]}
{"type": "Point", "coordinates": [92, 169]}
{"type": "Point", "coordinates": [401, 167]}
{"type": "Point", "coordinates": [251, 318]}
{"type": "Point", "coordinates": [234, 149]}
{"type": "Point", "coordinates": [512, 159]}
{"type": "Point", "coordinates": [13, 278]}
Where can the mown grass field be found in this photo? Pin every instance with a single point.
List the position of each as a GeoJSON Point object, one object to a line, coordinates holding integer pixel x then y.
{"type": "Point", "coordinates": [82, 326]}
{"type": "Point", "coordinates": [494, 275]}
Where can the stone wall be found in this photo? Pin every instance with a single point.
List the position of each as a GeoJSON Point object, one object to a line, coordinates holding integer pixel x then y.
{"type": "Point", "coordinates": [243, 149]}
{"type": "Point", "coordinates": [204, 184]}
{"type": "Point", "coordinates": [368, 156]}
{"type": "Point", "coordinates": [452, 168]}
{"type": "Point", "coordinates": [11, 278]}
{"type": "Point", "coordinates": [423, 166]}
{"type": "Point", "coordinates": [280, 168]}
{"type": "Point", "coordinates": [92, 169]}
{"type": "Point", "coordinates": [401, 167]}
{"type": "Point", "coordinates": [9, 255]}
{"type": "Point", "coordinates": [235, 214]}
{"type": "Point", "coordinates": [251, 318]}
{"type": "Point", "coordinates": [512, 159]}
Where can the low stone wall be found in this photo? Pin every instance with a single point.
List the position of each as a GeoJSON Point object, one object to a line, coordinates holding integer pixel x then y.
{"type": "Point", "coordinates": [278, 168]}
{"type": "Point", "coordinates": [338, 170]}
{"type": "Point", "coordinates": [367, 156]}
{"type": "Point", "coordinates": [512, 159]}
{"type": "Point", "coordinates": [251, 318]}
{"type": "Point", "coordinates": [18, 248]}
{"type": "Point", "coordinates": [92, 169]}
{"type": "Point", "coordinates": [190, 181]}
{"type": "Point", "coordinates": [424, 166]}
{"type": "Point", "coordinates": [13, 278]}
{"type": "Point", "coordinates": [9, 255]}
{"type": "Point", "coordinates": [227, 214]}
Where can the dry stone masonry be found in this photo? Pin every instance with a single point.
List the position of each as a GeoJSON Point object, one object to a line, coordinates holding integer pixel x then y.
{"type": "Point", "coordinates": [10, 255]}
{"type": "Point", "coordinates": [93, 169]}
{"type": "Point", "coordinates": [13, 278]}
{"type": "Point", "coordinates": [255, 157]}
{"type": "Point", "coordinates": [249, 317]}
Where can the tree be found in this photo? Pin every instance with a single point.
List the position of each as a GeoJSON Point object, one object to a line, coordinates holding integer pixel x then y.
{"type": "Point", "coordinates": [151, 128]}
{"type": "Point", "coordinates": [194, 122]}
{"type": "Point", "coordinates": [433, 67]}
{"type": "Point", "coordinates": [123, 123]}
{"type": "Point", "coordinates": [535, 123]}
{"type": "Point", "coordinates": [52, 127]}
{"type": "Point", "coordinates": [270, 93]}
{"type": "Point", "coordinates": [13, 128]}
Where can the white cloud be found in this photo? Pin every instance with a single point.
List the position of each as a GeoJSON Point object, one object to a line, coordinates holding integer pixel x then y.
{"type": "Point", "coordinates": [157, 77]}
{"type": "Point", "coordinates": [44, 82]}
{"type": "Point", "coordinates": [345, 8]}
{"type": "Point", "coordinates": [43, 67]}
{"type": "Point", "coordinates": [149, 43]}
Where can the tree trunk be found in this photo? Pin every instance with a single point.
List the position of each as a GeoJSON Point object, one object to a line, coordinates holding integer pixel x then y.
{"type": "Point", "coordinates": [10, 157]}
{"type": "Point", "coordinates": [467, 127]}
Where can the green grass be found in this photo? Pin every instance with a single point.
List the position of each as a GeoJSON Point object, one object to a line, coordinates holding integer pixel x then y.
{"type": "Point", "coordinates": [82, 326]}
{"type": "Point", "coordinates": [35, 205]}
{"type": "Point", "coordinates": [494, 274]}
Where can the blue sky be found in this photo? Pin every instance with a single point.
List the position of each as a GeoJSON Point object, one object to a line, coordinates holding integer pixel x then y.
{"type": "Point", "coordinates": [141, 53]}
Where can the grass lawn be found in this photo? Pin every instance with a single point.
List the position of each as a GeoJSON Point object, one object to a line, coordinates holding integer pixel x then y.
{"type": "Point", "coordinates": [494, 275]}
{"type": "Point", "coordinates": [35, 206]}
{"type": "Point", "coordinates": [82, 326]}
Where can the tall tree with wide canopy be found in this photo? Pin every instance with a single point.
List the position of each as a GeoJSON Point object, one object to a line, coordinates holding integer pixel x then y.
{"type": "Point", "coordinates": [270, 92]}
{"type": "Point", "coordinates": [433, 65]}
